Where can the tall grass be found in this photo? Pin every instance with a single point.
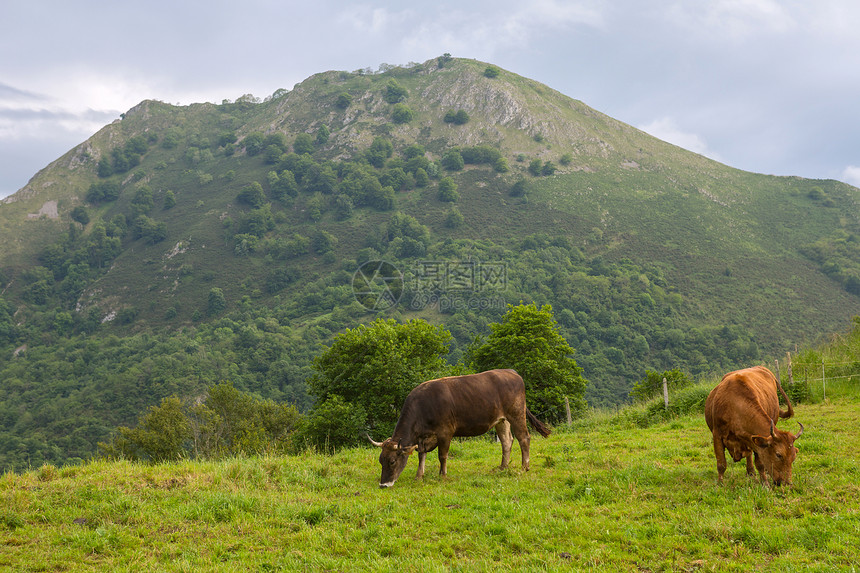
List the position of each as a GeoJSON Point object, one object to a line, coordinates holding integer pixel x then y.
{"type": "Point", "coordinates": [603, 494]}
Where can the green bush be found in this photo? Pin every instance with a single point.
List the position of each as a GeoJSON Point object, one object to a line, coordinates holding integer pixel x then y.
{"type": "Point", "coordinates": [690, 400]}
{"type": "Point", "coordinates": [228, 423]}
{"type": "Point", "coordinates": [161, 435]}
{"type": "Point", "coordinates": [332, 425]}
{"type": "Point", "coordinates": [401, 113]}
{"type": "Point", "coordinates": [652, 384]}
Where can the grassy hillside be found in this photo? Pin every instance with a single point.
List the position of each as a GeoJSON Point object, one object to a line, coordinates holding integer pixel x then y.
{"type": "Point", "coordinates": [203, 243]}
{"type": "Point", "coordinates": [604, 494]}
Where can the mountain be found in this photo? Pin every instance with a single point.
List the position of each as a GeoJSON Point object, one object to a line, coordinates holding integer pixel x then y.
{"type": "Point", "coordinates": [244, 226]}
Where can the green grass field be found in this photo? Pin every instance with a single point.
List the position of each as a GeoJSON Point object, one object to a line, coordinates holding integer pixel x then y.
{"type": "Point", "coordinates": [603, 494]}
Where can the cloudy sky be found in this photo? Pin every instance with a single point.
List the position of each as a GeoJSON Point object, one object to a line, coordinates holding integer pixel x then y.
{"type": "Point", "coordinates": [769, 86]}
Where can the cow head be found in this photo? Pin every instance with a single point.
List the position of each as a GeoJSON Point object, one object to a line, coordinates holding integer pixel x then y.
{"type": "Point", "coordinates": [393, 459]}
{"type": "Point", "coordinates": [777, 453]}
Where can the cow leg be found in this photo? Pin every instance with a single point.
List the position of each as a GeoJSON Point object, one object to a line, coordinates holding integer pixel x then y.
{"type": "Point", "coordinates": [444, 444]}
{"type": "Point", "coordinates": [750, 472]}
{"type": "Point", "coordinates": [759, 465]}
{"type": "Point", "coordinates": [422, 457]}
{"type": "Point", "coordinates": [720, 454]}
{"type": "Point", "coordinates": [521, 433]}
{"type": "Point", "coordinates": [503, 431]}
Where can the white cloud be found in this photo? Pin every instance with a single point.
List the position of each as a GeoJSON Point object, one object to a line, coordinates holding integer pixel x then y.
{"type": "Point", "coordinates": [851, 175]}
{"type": "Point", "coordinates": [373, 21]}
{"type": "Point", "coordinates": [734, 19]}
{"type": "Point", "coordinates": [666, 129]}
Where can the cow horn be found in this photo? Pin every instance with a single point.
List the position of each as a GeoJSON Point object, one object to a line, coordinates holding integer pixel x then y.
{"type": "Point", "coordinates": [800, 432]}
{"type": "Point", "coordinates": [377, 444]}
{"type": "Point", "coordinates": [771, 429]}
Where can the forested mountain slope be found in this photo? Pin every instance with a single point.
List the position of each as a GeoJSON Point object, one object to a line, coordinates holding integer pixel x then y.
{"type": "Point", "coordinates": [210, 242]}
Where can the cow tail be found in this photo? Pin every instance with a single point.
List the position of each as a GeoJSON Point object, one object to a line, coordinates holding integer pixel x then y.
{"type": "Point", "coordinates": [539, 426]}
{"type": "Point", "coordinates": [790, 412]}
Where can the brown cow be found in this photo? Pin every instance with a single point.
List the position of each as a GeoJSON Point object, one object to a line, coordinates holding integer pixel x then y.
{"type": "Point", "coordinates": [741, 413]}
{"type": "Point", "coordinates": [438, 410]}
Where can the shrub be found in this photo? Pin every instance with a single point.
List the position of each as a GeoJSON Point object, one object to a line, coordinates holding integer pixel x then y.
{"type": "Point", "coordinates": [160, 435]}
{"type": "Point", "coordinates": [394, 92]}
{"type": "Point", "coordinates": [333, 424]}
{"type": "Point", "coordinates": [453, 160]}
{"type": "Point", "coordinates": [652, 384]}
{"type": "Point", "coordinates": [690, 400]}
{"type": "Point", "coordinates": [448, 190]}
{"type": "Point", "coordinates": [343, 100]}
{"type": "Point", "coordinates": [401, 113]}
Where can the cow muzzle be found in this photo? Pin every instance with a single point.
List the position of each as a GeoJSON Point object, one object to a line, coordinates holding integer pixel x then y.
{"type": "Point", "coordinates": [386, 484]}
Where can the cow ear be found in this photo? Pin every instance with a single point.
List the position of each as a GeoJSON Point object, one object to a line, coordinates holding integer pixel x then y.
{"type": "Point", "coordinates": [762, 441]}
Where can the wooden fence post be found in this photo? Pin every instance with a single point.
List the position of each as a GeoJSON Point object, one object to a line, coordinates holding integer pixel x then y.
{"type": "Point", "coordinates": [665, 395]}
{"type": "Point", "coordinates": [823, 382]}
{"type": "Point", "coordinates": [567, 410]}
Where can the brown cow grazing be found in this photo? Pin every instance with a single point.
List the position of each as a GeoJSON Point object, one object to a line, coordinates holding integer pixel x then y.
{"type": "Point", "coordinates": [438, 410]}
{"type": "Point", "coordinates": [741, 413]}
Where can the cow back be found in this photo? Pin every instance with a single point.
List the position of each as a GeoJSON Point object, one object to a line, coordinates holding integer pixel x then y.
{"type": "Point", "coordinates": [745, 401]}
{"type": "Point", "coordinates": [466, 405]}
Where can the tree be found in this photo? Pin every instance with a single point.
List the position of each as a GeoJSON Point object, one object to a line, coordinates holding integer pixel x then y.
{"type": "Point", "coordinates": [401, 113]}
{"type": "Point", "coordinates": [323, 134]}
{"type": "Point", "coordinates": [421, 178]}
{"type": "Point", "coordinates": [519, 189]}
{"type": "Point", "coordinates": [103, 192]}
{"type": "Point", "coordinates": [169, 199]}
{"type": "Point", "coordinates": [142, 202]}
{"type": "Point", "coordinates": [216, 302]}
{"type": "Point", "coordinates": [381, 198]}
{"type": "Point", "coordinates": [232, 423]}
{"type": "Point", "coordinates": [528, 340]}
{"type": "Point", "coordinates": [258, 221]}
{"type": "Point", "coordinates": [548, 168]}
{"type": "Point", "coordinates": [80, 215]}
{"type": "Point", "coordinates": [252, 195]}
{"type": "Point", "coordinates": [652, 384]}
{"type": "Point", "coordinates": [253, 143]}
{"type": "Point", "coordinates": [448, 190]}
{"type": "Point", "coordinates": [491, 72]}
{"type": "Point", "coordinates": [452, 160]}
{"type": "Point", "coordinates": [343, 100]}
{"type": "Point", "coordinates": [373, 367]}
{"type": "Point", "coordinates": [323, 242]}
{"type": "Point", "coordinates": [394, 92]}
{"type": "Point", "coordinates": [320, 178]}
{"type": "Point", "coordinates": [459, 117]}
{"type": "Point", "coordinates": [272, 154]}
{"type": "Point", "coordinates": [380, 150]}
{"type": "Point", "coordinates": [285, 185]}
{"type": "Point", "coordinates": [160, 435]}
{"type": "Point", "coordinates": [150, 230]}
{"type": "Point", "coordinates": [414, 150]}
{"type": "Point", "coordinates": [303, 143]}
{"type": "Point", "coordinates": [334, 424]}
{"type": "Point", "coordinates": [454, 218]}
{"type": "Point", "coordinates": [342, 207]}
